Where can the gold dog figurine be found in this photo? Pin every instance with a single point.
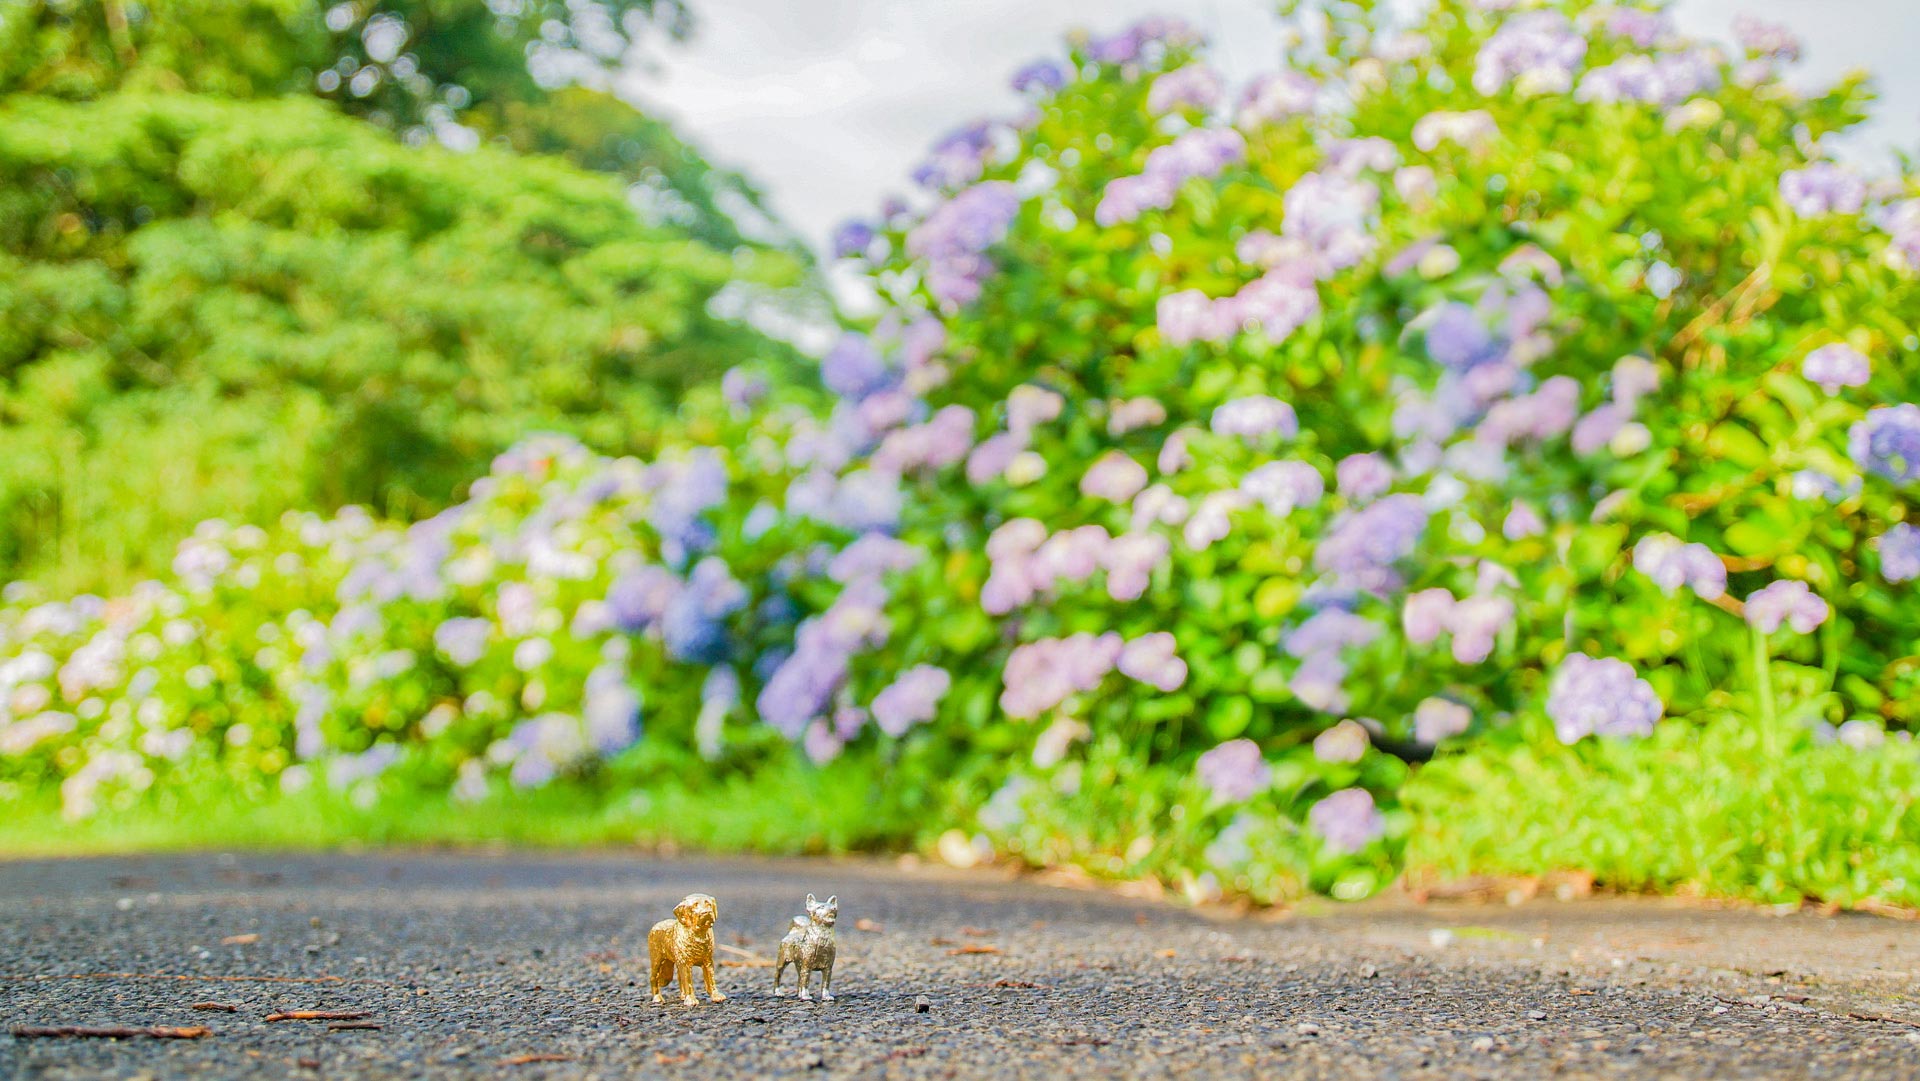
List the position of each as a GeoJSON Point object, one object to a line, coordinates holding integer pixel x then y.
{"type": "Point", "coordinates": [679, 945]}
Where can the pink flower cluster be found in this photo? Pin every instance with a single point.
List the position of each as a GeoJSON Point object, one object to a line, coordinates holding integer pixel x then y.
{"type": "Point", "coordinates": [1027, 562]}
{"type": "Point", "coordinates": [1278, 302]}
{"type": "Point", "coordinates": [1474, 622]}
{"type": "Point", "coordinates": [1198, 153]}
{"type": "Point", "coordinates": [1041, 675]}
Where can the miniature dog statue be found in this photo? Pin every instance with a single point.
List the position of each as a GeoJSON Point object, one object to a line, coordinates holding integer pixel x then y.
{"type": "Point", "coordinates": [809, 948]}
{"type": "Point", "coordinates": [678, 946]}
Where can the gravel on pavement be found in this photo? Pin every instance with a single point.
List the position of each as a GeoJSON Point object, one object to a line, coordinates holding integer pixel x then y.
{"type": "Point", "coordinates": [521, 965]}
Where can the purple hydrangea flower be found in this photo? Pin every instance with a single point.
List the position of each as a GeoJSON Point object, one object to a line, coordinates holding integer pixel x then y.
{"type": "Point", "coordinates": [1539, 51]}
{"type": "Point", "coordinates": [1666, 80]}
{"type": "Point", "coordinates": [911, 699]}
{"type": "Point", "coordinates": [1255, 418]}
{"type": "Point", "coordinates": [1598, 427]}
{"type": "Point", "coordinates": [1424, 616]}
{"type": "Point", "coordinates": [462, 641]}
{"type": "Point", "coordinates": [1362, 546]}
{"type": "Point", "coordinates": [1272, 98]}
{"type": "Point", "coordinates": [953, 237]}
{"type": "Point", "coordinates": [1900, 553]}
{"type": "Point", "coordinates": [1320, 681]}
{"type": "Point", "coordinates": [1284, 486]}
{"type": "Point", "coordinates": [1043, 76]}
{"type": "Point", "coordinates": [1363, 476]}
{"type": "Point", "coordinates": [1470, 130]}
{"type": "Point", "coordinates": [1128, 45]}
{"type": "Point", "coordinates": [873, 555]}
{"type": "Point", "coordinates": [800, 688]}
{"type": "Point", "coordinates": [1029, 406]}
{"type": "Point", "coordinates": [1887, 442]}
{"type": "Point", "coordinates": [1348, 821]}
{"type": "Point", "coordinates": [1768, 39]}
{"type": "Point", "coordinates": [1234, 771]}
{"type": "Point", "coordinates": [1476, 622]}
{"type": "Point", "coordinates": [1151, 659]}
{"type": "Point", "coordinates": [1458, 339]}
{"type": "Point", "coordinates": [1786, 601]}
{"type": "Point", "coordinates": [1437, 719]}
{"type": "Point", "coordinates": [853, 368]}
{"type": "Point", "coordinates": [1193, 86]}
{"type": "Point", "coordinates": [1114, 477]}
{"type": "Point", "coordinates": [1329, 216]}
{"type": "Point", "coordinates": [1201, 152]}
{"type": "Point", "coordinates": [1130, 560]}
{"type": "Point", "coordinates": [1831, 367]}
{"type": "Point", "coordinates": [1329, 631]}
{"type": "Point", "coordinates": [991, 458]}
{"type": "Point", "coordinates": [957, 158]}
{"type": "Point", "coordinates": [692, 625]}
{"type": "Point", "coordinates": [852, 239]}
{"type": "Point", "coordinates": [1672, 563]}
{"type": "Point", "coordinates": [1042, 674]}
{"type": "Point", "coordinates": [743, 389]}
{"type": "Point", "coordinates": [946, 438]}
{"type": "Point", "coordinates": [1134, 414]}
{"type": "Point", "coordinates": [611, 710]}
{"type": "Point", "coordinates": [1822, 188]}
{"type": "Point", "coordinates": [1344, 742]}
{"type": "Point", "coordinates": [1211, 520]}
{"type": "Point", "coordinates": [1174, 455]}
{"type": "Point", "coordinates": [1600, 696]}
{"type": "Point", "coordinates": [1644, 28]}
{"type": "Point", "coordinates": [1522, 522]}
{"type": "Point", "coordinates": [636, 600]}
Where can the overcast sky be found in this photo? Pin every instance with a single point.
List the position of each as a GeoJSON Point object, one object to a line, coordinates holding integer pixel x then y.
{"type": "Point", "coordinates": [829, 103]}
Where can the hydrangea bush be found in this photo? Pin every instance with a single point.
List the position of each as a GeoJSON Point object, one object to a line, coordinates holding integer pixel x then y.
{"type": "Point", "coordinates": [1523, 371]}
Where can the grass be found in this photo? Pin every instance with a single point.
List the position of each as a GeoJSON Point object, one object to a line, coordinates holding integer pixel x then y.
{"type": "Point", "coordinates": [1694, 809]}
{"type": "Point", "coordinates": [786, 810]}
{"type": "Point", "coordinates": [1697, 809]}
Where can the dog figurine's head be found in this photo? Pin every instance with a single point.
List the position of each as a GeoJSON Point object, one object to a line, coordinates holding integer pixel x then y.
{"type": "Point", "coordinates": [697, 912]}
{"type": "Point", "coordinates": [825, 912]}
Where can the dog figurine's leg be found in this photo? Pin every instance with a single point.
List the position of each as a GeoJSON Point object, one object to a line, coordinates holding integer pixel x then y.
{"type": "Point", "coordinates": [683, 970]}
{"type": "Point", "coordinates": [805, 995]}
{"type": "Point", "coordinates": [826, 983]}
{"type": "Point", "coordinates": [778, 973]}
{"type": "Point", "coordinates": [658, 976]}
{"type": "Point", "coordinates": [712, 995]}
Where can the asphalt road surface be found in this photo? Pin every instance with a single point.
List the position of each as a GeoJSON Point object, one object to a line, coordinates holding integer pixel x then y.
{"type": "Point", "coordinates": [532, 966]}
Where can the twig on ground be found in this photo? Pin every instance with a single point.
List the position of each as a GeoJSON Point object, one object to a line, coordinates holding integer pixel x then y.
{"type": "Point", "coordinates": [959, 950]}
{"type": "Point", "coordinates": [748, 958]}
{"type": "Point", "coordinates": [523, 1060]}
{"type": "Point", "coordinates": [319, 1015]}
{"type": "Point", "coordinates": [109, 1032]}
{"type": "Point", "coordinates": [219, 1007]}
{"type": "Point", "coordinates": [1884, 1018]}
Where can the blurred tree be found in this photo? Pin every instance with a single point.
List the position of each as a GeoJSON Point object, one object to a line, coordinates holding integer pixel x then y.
{"type": "Point", "coordinates": [220, 296]}
{"type": "Point", "coordinates": [526, 72]}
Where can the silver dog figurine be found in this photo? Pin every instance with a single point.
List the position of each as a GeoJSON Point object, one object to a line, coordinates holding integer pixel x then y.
{"type": "Point", "coordinates": [809, 948]}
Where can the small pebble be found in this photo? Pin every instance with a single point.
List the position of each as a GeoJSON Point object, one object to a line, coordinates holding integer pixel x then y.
{"type": "Point", "coordinates": [1482, 1043]}
{"type": "Point", "coordinates": [922, 1004]}
{"type": "Point", "coordinates": [1368, 972]}
{"type": "Point", "coordinates": [1307, 1028]}
{"type": "Point", "coordinates": [1536, 1015]}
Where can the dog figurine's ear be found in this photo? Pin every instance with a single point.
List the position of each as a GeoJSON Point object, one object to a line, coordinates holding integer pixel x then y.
{"type": "Point", "coordinates": [684, 912]}
{"type": "Point", "coordinates": [833, 902]}
{"type": "Point", "coordinates": [810, 900]}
